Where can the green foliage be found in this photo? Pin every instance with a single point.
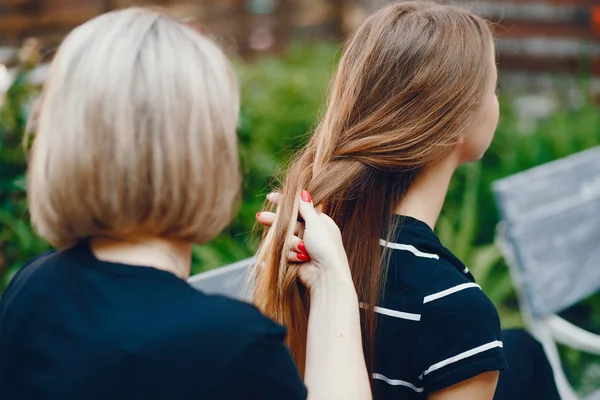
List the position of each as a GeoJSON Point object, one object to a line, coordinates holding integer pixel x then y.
{"type": "Point", "coordinates": [18, 243]}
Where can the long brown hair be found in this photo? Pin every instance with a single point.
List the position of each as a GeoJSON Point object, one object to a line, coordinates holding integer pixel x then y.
{"type": "Point", "coordinates": [409, 84]}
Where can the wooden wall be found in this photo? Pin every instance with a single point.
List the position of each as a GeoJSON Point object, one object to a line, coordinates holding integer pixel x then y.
{"type": "Point", "coordinates": [532, 34]}
{"type": "Point", "coordinates": [240, 25]}
{"type": "Point", "coordinates": [546, 35]}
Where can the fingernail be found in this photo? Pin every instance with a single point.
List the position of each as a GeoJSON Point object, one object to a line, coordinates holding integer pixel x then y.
{"type": "Point", "coordinates": [257, 215]}
{"type": "Point", "coordinates": [301, 247]}
{"type": "Point", "coordinates": [269, 197]}
{"type": "Point", "coordinates": [305, 196]}
{"type": "Point", "coordinates": [302, 256]}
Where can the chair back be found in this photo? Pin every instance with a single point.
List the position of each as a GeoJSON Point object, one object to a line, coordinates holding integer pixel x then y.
{"type": "Point", "coordinates": [230, 281]}
{"type": "Point", "coordinates": [551, 221]}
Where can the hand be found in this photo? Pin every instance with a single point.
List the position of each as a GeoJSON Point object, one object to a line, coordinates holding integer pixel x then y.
{"type": "Point", "coordinates": [297, 253]}
{"type": "Point", "coordinates": [321, 250]}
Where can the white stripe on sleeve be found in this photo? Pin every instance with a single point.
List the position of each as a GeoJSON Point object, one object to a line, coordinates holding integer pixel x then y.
{"type": "Point", "coordinates": [397, 382]}
{"type": "Point", "coordinates": [462, 356]}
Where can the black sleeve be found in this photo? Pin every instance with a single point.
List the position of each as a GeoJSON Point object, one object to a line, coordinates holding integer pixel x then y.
{"type": "Point", "coordinates": [265, 370]}
{"type": "Point", "coordinates": [461, 336]}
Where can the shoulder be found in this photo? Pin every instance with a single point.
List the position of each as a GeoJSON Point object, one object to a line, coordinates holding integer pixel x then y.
{"type": "Point", "coordinates": [409, 264]}
{"type": "Point", "coordinates": [27, 270]}
{"type": "Point", "coordinates": [32, 271]}
{"type": "Point", "coordinates": [452, 294]}
{"type": "Point", "coordinates": [461, 331]}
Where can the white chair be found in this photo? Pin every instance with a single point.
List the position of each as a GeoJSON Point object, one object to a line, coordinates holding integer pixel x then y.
{"type": "Point", "coordinates": [230, 281]}
{"type": "Point", "coordinates": [550, 238]}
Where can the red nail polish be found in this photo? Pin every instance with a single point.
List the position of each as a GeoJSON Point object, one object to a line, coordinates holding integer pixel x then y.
{"type": "Point", "coordinates": [305, 196]}
{"type": "Point", "coordinates": [302, 257]}
{"type": "Point", "coordinates": [257, 215]}
{"type": "Point", "coordinates": [301, 247]}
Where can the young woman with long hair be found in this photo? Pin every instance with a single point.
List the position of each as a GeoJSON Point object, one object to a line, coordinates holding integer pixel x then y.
{"type": "Point", "coordinates": [414, 97]}
{"type": "Point", "coordinates": [134, 160]}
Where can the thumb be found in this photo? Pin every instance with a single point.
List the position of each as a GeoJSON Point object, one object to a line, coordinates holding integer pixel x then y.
{"type": "Point", "coordinates": [307, 210]}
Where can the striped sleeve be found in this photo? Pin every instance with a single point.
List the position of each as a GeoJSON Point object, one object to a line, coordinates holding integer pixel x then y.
{"type": "Point", "coordinates": [461, 334]}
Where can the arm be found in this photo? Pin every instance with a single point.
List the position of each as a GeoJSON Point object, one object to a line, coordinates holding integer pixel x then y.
{"type": "Point", "coordinates": [481, 387]}
{"type": "Point", "coordinates": [335, 363]}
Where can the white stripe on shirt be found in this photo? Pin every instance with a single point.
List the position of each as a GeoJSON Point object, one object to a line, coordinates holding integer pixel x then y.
{"type": "Point", "coordinates": [450, 291]}
{"type": "Point", "coordinates": [398, 314]}
{"type": "Point", "coordinates": [394, 313]}
{"type": "Point", "coordinates": [408, 247]}
{"type": "Point", "coordinates": [397, 382]}
{"type": "Point", "coordinates": [462, 356]}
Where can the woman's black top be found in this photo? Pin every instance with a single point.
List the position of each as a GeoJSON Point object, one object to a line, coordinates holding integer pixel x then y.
{"type": "Point", "coordinates": [75, 327]}
{"type": "Point", "coordinates": [436, 327]}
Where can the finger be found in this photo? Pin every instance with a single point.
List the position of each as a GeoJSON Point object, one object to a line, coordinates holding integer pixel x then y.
{"type": "Point", "coordinates": [297, 245]}
{"type": "Point", "coordinates": [274, 197]}
{"type": "Point", "coordinates": [297, 257]}
{"type": "Point", "coordinates": [307, 210]}
{"type": "Point", "coordinates": [266, 218]}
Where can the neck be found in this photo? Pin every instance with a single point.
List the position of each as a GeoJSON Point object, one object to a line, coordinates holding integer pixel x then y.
{"type": "Point", "coordinates": [166, 255]}
{"type": "Point", "coordinates": [426, 195]}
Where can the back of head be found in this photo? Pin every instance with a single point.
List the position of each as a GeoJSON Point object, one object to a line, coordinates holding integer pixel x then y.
{"type": "Point", "coordinates": [135, 133]}
{"type": "Point", "coordinates": [410, 85]}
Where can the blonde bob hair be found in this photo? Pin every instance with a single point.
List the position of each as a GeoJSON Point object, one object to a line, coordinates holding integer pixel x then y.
{"type": "Point", "coordinates": [135, 133]}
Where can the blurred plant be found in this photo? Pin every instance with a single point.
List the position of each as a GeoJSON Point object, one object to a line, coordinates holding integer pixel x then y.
{"type": "Point", "coordinates": [18, 243]}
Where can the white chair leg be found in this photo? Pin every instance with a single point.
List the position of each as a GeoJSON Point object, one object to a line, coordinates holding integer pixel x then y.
{"type": "Point", "coordinates": [543, 335]}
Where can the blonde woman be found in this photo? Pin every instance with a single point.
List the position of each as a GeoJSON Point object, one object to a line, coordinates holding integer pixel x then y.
{"type": "Point", "coordinates": [134, 160]}
{"type": "Point", "coordinates": [414, 98]}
